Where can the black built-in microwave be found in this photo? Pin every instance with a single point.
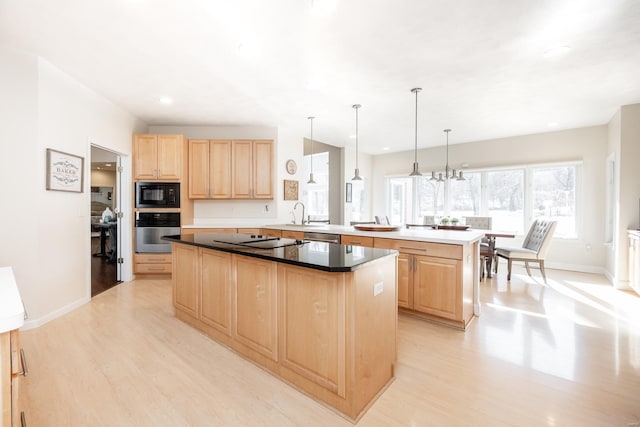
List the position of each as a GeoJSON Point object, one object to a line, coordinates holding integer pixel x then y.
{"type": "Point", "coordinates": [157, 194]}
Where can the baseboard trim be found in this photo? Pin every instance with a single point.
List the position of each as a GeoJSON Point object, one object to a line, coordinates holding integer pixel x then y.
{"type": "Point", "coordinates": [36, 323]}
{"type": "Point", "coordinates": [580, 268]}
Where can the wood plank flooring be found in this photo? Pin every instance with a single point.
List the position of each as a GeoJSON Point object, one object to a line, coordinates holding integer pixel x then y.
{"type": "Point", "coordinates": [562, 354]}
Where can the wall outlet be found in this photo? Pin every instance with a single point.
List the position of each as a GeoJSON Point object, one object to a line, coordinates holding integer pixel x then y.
{"type": "Point", "coordinates": [378, 288]}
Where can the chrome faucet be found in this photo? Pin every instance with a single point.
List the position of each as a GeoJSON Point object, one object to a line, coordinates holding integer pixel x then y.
{"type": "Point", "coordinates": [294, 216]}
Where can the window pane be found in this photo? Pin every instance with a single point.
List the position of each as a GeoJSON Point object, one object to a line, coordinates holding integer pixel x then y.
{"type": "Point", "coordinates": [465, 196]}
{"type": "Point", "coordinates": [554, 197]}
{"type": "Point", "coordinates": [430, 198]}
{"type": "Point", "coordinates": [400, 196]}
{"type": "Point", "coordinates": [505, 197]}
{"type": "Point", "coordinates": [317, 197]}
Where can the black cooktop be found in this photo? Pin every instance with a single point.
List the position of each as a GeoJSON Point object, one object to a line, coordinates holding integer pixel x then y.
{"type": "Point", "coordinates": [256, 241]}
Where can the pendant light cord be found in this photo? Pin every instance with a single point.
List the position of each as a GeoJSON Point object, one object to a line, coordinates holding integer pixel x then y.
{"type": "Point", "coordinates": [415, 151]}
{"type": "Point", "coordinates": [356, 107]}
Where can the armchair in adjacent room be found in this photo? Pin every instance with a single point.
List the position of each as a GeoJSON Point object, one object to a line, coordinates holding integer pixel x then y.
{"type": "Point", "coordinates": [534, 248]}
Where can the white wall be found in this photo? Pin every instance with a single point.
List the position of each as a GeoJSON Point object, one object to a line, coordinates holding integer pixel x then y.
{"type": "Point", "coordinates": [586, 144]}
{"type": "Point", "coordinates": [624, 133]}
{"type": "Point", "coordinates": [47, 241]}
{"type": "Point", "coordinates": [365, 162]}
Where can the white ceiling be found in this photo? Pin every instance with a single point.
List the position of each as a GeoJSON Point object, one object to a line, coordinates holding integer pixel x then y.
{"type": "Point", "coordinates": [480, 63]}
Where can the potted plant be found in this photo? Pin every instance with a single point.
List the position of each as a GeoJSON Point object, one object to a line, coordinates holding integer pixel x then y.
{"type": "Point", "coordinates": [454, 221]}
{"type": "Point", "coordinates": [445, 220]}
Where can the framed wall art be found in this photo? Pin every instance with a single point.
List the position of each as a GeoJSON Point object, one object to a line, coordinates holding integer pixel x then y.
{"type": "Point", "coordinates": [65, 172]}
{"type": "Point", "coordinates": [290, 190]}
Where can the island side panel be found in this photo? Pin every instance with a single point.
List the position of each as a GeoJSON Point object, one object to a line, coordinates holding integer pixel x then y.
{"type": "Point", "coordinates": [373, 298]}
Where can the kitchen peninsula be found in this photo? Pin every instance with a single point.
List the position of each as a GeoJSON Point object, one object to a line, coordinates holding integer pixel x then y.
{"type": "Point", "coordinates": [438, 270]}
{"type": "Point", "coordinates": [320, 316]}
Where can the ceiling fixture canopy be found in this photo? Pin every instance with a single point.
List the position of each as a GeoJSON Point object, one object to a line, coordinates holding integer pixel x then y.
{"type": "Point", "coordinates": [356, 176]}
{"type": "Point", "coordinates": [311, 180]}
{"type": "Point", "coordinates": [416, 167]}
{"type": "Point", "coordinates": [454, 174]}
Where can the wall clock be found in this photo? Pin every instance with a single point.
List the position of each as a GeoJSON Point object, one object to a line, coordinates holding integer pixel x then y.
{"type": "Point", "coordinates": [292, 168]}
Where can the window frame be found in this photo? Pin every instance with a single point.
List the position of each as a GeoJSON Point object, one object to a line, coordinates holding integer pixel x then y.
{"type": "Point", "coordinates": [528, 214]}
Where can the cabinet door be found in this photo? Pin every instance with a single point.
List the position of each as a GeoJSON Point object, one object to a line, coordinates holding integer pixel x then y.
{"type": "Point", "coordinates": [241, 170]}
{"type": "Point", "coordinates": [170, 148]}
{"type": "Point", "coordinates": [185, 278]}
{"type": "Point", "coordinates": [436, 286]}
{"type": "Point", "coordinates": [255, 305]}
{"type": "Point", "coordinates": [312, 325]}
{"type": "Point", "coordinates": [215, 290]}
{"type": "Point", "coordinates": [198, 169]}
{"type": "Point", "coordinates": [263, 169]}
{"type": "Point", "coordinates": [5, 379]}
{"type": "Point", "coordinates": [145, 155]}
{"type": "Point", "coordinates": [220, 169]}
{"type": "Point", "coordinates": [405, 280]}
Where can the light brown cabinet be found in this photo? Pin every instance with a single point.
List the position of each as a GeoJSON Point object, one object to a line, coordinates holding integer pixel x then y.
{"type": "Point", "coordinates": [216, 290]}
{"type": "Point", "coordinates": [430, 280]}
{"type": "Point", "coordinates": [331, 335]}
{"type": "Point", "coordinates": [152, 263]}
{"type": "Point", "coordinates": [634, 259]}
{"type": "Point", "coordinates": [225, 169]}
{"type": "Point", "coordinates": [12, 366]}
{"type": "Point", "coordinates": [157, 157]}
{"type": "Point", "coordinates": [255, 305]}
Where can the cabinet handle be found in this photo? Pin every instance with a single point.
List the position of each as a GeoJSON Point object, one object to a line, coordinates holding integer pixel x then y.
{"type": "Point", "coordinates": [23, 359]}
{"type": "Point", "coordinates": [23, 420]}
{"type": "Point", "coordinates": [413, 249]}
{"type": "Point", "coordinates": [156, 268]}
{"type": "Point", "coordinates": [415, 264]}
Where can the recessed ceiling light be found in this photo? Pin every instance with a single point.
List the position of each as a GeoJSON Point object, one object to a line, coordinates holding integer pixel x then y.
{"type": "Point", "coordinates": [166, 100]}
{"type": "Point", "coordinates": [108, 164]}
{"type": "Point", "coordinates": [556, 51]}
{"type": "Point", "coordinates": [552, 124]}
{"type": "Point", "coordinates": [385, 148]}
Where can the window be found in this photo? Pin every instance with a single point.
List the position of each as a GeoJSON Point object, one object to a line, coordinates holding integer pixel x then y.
{"type": "Point", "coordinates": [317, 195]}
{"type": "Point", "coordinates": [512, 197]}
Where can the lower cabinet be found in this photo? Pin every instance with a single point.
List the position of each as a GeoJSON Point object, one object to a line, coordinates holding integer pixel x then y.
{"type": "Point", "coordinates": [12, 366]}
{"type": "Point", "coordinates": [152, 263]}
{"type": "Point", "coordinates": [331, 335]}
{"type": "Point", "coordinates": [255, 305]}
{"type": "Point", "coordinates": [432, 282]}
{"type": "Point", "coordinates": [633, 237]}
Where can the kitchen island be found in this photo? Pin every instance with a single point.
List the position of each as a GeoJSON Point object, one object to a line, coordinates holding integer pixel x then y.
{"type": "Point", "coordinates": [438, 270]}
{"type": "Point", "coordinates": [320, 316]}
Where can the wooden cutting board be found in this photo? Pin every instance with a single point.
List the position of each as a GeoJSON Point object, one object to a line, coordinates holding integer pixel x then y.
{"type": "Point", "coordinates": [377, 227]}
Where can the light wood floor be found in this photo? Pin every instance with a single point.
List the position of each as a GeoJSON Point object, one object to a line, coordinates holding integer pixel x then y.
{"type": "Point", "coordinates": [564, 354]}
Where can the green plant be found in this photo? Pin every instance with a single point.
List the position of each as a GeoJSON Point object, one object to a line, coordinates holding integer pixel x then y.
{"type": "Point", "coordinates": [445, 220]}
{"type": "Point", "coordinates": [454, 221]}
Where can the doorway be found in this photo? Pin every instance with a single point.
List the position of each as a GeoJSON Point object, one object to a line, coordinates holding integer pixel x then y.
{"type": "Point", "coordinates": [105, 203]}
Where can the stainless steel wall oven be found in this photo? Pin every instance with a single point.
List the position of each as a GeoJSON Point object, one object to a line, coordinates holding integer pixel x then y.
{"type": "Point", "coordinates": [151, 226]}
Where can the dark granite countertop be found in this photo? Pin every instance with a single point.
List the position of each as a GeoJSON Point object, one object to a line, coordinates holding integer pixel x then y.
{"type": "Point", "coordinates": [315, 255]}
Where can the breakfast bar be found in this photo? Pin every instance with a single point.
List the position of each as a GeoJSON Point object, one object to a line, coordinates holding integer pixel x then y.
{"type": "Point", "coordinates": [320, 316]}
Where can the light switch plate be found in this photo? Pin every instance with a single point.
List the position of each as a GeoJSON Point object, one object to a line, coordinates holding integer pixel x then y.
{"type": "Point", "coordinates": [377, 288]}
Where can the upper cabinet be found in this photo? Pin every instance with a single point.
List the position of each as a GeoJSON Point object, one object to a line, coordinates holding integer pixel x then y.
{"type": "Point", "coordinates": [241, 169]}
{"type": "Point", "coordinates": [157, 157]}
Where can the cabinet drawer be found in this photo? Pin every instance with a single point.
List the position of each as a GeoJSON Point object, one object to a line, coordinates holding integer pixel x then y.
{"type": "Point", "coordinates": [289, 234]}
{"type": "Point", "coordinates": [439, 250]}
{"type": "Point", "coordinates": [152, 268]}
{"type": "Point", "coordinates": [249, 231]}
{"type": "Point", "coordinates": [357, 240]}
{"type": "Point", "coordinates": [271, 233]}
{"type": "Point", "coordinates": [151, 258]}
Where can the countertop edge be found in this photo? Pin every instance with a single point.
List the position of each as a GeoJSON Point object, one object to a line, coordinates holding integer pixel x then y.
{"type": "Point", "coordinates": [11, 308]}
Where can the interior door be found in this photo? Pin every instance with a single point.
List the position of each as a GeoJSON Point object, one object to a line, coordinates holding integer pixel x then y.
{"type": "Point", "coordinates": [118, 214]}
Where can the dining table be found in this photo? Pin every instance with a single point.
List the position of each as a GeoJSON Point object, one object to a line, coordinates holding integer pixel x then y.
{"type": "Point", "coordinates": [491, 236]}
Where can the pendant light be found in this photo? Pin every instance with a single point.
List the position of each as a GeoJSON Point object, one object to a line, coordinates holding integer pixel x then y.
{"type": "Point", "coordinates": [311, 180]}
{"type": "Point", "coordinates": [454, 174]}
{"type": "Point", "coordinates": [416, 168]}
{"type": "Point", "coordinates": [356, 176]}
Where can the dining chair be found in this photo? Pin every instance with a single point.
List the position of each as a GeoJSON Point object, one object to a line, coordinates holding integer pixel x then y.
{"type": "Point", "coordinates": [382, 219]}
{"type": "Point", "coordinates": [487, 252]}
{"type": "Point", "coordinates": [534, 247]}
